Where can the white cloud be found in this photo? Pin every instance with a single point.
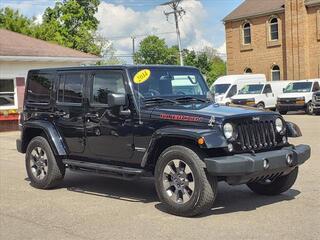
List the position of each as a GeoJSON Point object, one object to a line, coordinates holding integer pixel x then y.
{"type": "Point", "coordinates": [118, 23]}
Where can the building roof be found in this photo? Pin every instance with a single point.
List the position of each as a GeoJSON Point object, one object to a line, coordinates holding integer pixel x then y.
{"type": "Point", "coordinates": [251, 8]}
{"type": "Point", "coordinates": [14, 44]}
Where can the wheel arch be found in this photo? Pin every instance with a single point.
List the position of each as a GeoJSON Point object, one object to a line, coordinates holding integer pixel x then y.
{"type": "Point", "coordinates": [169, 137]}
{"type": "Point", "coordinates": [36, 128]}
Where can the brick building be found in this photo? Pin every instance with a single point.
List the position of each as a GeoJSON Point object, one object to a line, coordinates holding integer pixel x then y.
{"type": "Point", "coordinates": [280, 38]}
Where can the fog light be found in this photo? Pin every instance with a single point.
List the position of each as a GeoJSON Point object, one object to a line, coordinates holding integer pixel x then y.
{"type": "Point", "coordinates": [265, 164]}
{"type": "Point", "coordinates": [289, 159]}
{"type": "Point", "coordinates": [230, 147]}
{"type": "Point", "coordinates": [284, 139]}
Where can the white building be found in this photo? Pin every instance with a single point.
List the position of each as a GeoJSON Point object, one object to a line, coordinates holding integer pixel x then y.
{"type": "Point", "coordinates": [19, 54]}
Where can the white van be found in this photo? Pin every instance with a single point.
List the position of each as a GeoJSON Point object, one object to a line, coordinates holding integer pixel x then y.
{"type": "Point", "coordinates": [260, 95]}
{"type": "Point", "coordinates": [298, 96]}
{"type": "Point", "coordinates": [227, 86]}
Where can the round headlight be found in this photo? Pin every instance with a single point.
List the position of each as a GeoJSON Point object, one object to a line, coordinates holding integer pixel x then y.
{"type": "Point", "coordinates": [228, 130]}
{"type": "Point", "coordinates": [279, 125]}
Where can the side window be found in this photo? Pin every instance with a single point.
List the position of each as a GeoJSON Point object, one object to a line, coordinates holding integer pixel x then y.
{"type": "Point", "coordinates": [39, 87]}
{"type": "Point", "coordinates": [316, 87]}
{"type": "Point", "coordinates": [267, 89]}
{"type": "Point", "coordinates": [233, 91]}
{"type": "Point", "coordinates": [104, 83]}
{"type": "Point", "coordinates": [71, 88]}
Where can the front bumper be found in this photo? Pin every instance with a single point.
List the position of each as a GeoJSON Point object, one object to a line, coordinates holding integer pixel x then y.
{"type": "Point", "coordinates": [243, 168]}
{"type": "Point", "coordinates": [316, 105]}
{"type": "Point", "coordinates": [291, 107]}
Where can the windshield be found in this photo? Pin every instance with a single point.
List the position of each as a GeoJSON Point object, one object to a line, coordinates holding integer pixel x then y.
{"type": "Point", "coordinates": [298, 87]}
{"type": "Point", "coordinates": [220, 89]}
{"type": "Point", "coordinates": [251, 89]}
{"type": "Point", "coordinates": [168, 82]}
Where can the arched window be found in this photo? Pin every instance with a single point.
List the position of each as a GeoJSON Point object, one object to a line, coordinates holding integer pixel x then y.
{"type": "Point", "coordinates": [246, 33]}
{"type": "Point", "coordinates": [248, 71]}
{"type": "Point", "coordinates": [275, 73]}
{"type": "Point", "coordinates": [274, 29]}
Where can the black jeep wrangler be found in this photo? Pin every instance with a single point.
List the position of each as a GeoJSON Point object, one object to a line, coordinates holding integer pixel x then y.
{"type": "Point", "coordinates": [161, 121]}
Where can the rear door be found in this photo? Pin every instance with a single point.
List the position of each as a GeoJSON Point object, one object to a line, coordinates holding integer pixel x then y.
{"type": "Point", "coordinates": [69, 110]}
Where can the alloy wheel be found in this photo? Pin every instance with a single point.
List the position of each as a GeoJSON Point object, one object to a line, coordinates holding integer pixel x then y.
{"type": "Point", "coordinates": [39, 163]}
{"type": "Point", "coordinates": [178, 181]}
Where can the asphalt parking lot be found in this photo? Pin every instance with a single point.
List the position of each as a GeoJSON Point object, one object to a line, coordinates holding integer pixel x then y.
{"type": "Point", "coordinates": [88, 206]}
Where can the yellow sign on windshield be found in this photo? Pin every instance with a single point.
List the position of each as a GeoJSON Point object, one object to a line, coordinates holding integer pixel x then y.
{"type": "Point", "coordinates": [142, 76]}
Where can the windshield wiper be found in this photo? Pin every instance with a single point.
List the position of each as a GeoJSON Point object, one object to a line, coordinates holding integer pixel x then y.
{"type": "Point", "coordinates": [191, 99]}
{"type": "Point", "coordinates": [158, 100]}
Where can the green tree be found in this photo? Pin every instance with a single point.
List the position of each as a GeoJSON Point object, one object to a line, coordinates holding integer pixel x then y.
{"type": "Point", "coordinates": [219, 68]}
{"type": "Point", "coordinates": [208, 61]}
{"type": "Point", "coordinates": [70, 23]}
{"type": "Point", "coordinates": [154, 50]}
{"type": "Point", "coordinates": [14, 21]}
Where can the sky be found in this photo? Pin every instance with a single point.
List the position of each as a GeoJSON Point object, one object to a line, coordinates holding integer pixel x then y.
{"type": "Point", "coordinates": [120, 19]}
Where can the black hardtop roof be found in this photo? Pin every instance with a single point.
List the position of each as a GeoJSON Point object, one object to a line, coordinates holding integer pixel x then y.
{"type": "Point", "coordinates": [110, 67]}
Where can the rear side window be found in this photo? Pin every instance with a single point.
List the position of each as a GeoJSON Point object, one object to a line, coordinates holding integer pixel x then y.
{"type": "Point", "coordinates": [71, 88]}
{"type": "Point", "coordinates": [39, 87]}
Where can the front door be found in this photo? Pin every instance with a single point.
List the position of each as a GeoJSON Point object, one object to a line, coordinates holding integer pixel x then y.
{"type": "Point", "coordinates": [69, 111]}
{"type": "Point", "coordinates": [270, 98]}
{"type": "Point", "coordinates": [109, 134]}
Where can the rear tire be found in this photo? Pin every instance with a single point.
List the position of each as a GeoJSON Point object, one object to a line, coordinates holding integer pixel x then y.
{"type": "Point", "coordinates": [276, 187]}
{"type": "Point", "coordinates": [43, 169]}
{"type": "Point", "coordinates": [182, 183]}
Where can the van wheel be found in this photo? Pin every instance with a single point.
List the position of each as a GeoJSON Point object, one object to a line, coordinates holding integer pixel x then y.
{"type": "Point", "coordinates": [309, 108]}
{"type": "Point", "coordinates": [282, 112]}
{"type": "Point", "coordinates": [182, 183]}
{"type": "Point", "coordinates": [260, 106]}
{"type": "Point", "coordinates": [275, 187]}
{"type": "Point", "coordinates": [43, 169]}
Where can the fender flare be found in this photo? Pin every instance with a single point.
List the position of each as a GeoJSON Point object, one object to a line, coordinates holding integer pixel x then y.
{"type": "Point", "coordinates": [54, 138]}
{"type": "Point", "coordinates": [293, 130]}
{"type": "Point", "coordinates": [214, 138]}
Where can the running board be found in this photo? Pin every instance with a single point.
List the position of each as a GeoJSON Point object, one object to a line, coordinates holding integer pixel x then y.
{"type": "Point", "coordinates": [98, 167]}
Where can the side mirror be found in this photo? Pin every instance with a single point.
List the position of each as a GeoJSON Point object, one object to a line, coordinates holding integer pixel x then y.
{"type": "Point", "coordinates": [117, 99]}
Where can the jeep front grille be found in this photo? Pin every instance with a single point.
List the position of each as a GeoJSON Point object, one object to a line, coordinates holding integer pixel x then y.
{"type": "Point", "coordinates": [257, 135]}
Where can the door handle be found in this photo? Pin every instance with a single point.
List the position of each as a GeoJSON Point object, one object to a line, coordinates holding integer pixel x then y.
{"type": "Point", "coordinates": [60, 113]}
{"type": "Point", "coordinates": [92, 115]}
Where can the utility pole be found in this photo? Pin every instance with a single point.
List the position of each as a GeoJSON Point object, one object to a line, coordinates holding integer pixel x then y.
{"type": "Point", "coordinates": [177, 12]}
{"type": "Point", "coordinates": [133, 47]}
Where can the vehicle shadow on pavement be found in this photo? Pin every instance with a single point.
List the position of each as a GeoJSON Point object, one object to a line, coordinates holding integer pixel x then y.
{"type": "Point", "coordinates": [231, 199]}
{"type": "Point", "coordinates": [141, 190]}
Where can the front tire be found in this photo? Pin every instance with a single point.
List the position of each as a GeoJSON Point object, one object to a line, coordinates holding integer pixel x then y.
{"type": "Point", "coordinates": [276, 187]}
{"type": "Point", "coordinates": [261, 106]}
{"type": "Point", "coordinates": [43, 169]}
{"type": "Point", "coordinates": [182, 183]}
{"type": "Point", "coordinates": [309, 108]}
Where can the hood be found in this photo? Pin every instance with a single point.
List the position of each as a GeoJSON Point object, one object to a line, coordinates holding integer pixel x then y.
{"type": "Point", "coordinates": [203, 112]}
{"type": "Point", "coordinates": [244, 96]}
{"type": "Point", "coordinates": [294, 95]}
